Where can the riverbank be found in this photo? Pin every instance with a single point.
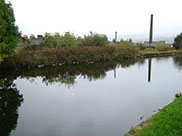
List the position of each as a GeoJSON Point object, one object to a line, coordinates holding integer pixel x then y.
{"type": "Point", "coordinates": [68, 56]}
{"type": "Point", "coordinates": [160, 54]}
{"type": "Point", "coordinates": [167, 122]}
{"type": "Point", "coordinates": [79, 55]}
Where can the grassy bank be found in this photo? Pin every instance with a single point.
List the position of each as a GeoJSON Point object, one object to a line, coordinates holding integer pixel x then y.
{"type": "Point", "coordinates": [63, 56]}
{"type": "Point", "coordinates": [160, 53]}
{"type": "Point", "coordinates": [168, 122]}
{"type": "Point", "coordinates": [154, 51]}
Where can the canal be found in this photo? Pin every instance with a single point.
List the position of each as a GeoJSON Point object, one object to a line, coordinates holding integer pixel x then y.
{"type": "Point", "coordinates": [102, 99]}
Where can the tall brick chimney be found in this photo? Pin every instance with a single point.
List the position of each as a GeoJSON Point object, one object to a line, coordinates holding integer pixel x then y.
{"type": "Point", "coordinates": [151, 29]}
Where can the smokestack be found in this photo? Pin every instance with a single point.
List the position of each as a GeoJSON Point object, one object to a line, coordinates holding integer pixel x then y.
{"type": "Point", "coordinates": [116, 37]}
{"type": "Point", "coordinates": [151, 29]}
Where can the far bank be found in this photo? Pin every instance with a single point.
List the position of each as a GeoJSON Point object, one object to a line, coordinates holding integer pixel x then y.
{"type": "Point", "coordinates": [78, 55]}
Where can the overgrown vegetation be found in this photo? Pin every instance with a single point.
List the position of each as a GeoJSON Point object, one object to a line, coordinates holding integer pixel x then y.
{"type": "Point", "coordinates": [9, 35]}
{"type": "Point", "coordinates": [178, 42]}
{"type": "Point", "coordinates": [93, 39]}
{"type": "Point", "coordinates": [159, 48]}
{"type": "Point", "coordinates": [66, 49]}
{"type": "Point", "coordinates": [63, 56]}
{"type": "Point", "coordinates": [162, 47]}
{"type": "Point", "coordinates": [125, 43]}
{"type": "Point", "coordinates": [167, 122]}
{"type": "Point", "coordinates": [141, 46]}
{"type": "Point", "coordinates": [67, 40]}
{"type": "Point", "coordinates": [52, 41]}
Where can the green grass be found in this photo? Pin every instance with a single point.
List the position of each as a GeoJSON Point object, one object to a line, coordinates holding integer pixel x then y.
{"type": "Point", "coordinates": [168, 122]}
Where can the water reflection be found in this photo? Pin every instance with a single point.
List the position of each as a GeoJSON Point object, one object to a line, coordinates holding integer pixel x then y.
{"type": "Point", "coordinates": [115, 73]}
{"type": "Point", "coordinates": [10, 100]}
{"type": "Point", "coordinates": [106, 107]}
{"type": "Point", "coordinates": [149, 69]}
{"type": "Point", "coordinates": [67, 74]}
{"type": "Point", "coordinates": [178, 62]}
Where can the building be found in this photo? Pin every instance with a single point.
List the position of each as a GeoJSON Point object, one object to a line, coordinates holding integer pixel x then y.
{"type": "Point", "coordinates": [153, 44]}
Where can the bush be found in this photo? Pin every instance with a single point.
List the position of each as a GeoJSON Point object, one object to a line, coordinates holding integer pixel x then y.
{"type": "Point", "coordinates": [48, 41]}
{"type": "Point", "coordinates": [125, 43]}
{"type": "Point", "coordinates": [149, 50]}
{"type": "Point", "coordinates": [141, 46]}
{"type": "Point", "coordinates": [93, 40]}
{"type": "Point", "coordinates": [66, 40]}
{"type": "Point", "coordinates": [61, 56]}
{"type": "Point", "coordinates": [162, 47]}
{"type": "Point", "coordinates": [178, 42]}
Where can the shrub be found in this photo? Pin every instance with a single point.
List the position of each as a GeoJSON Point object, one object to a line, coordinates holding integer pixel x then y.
{"type": "Point", "coordinates": [48, 41]}
{"type": "Point", "coordinates": [93, 40]}
{"type": "Point", "coordinates": [2, 56]}
{"type": "Point", "coordinates": [29, 45]}
{"type": "Point", "coordinates": [66, 40]}
{"type": "Point", "coordinates": [140, 46]}
{"type": "Point", "coordinates": [126, 43]}
{"type": "Point", "coordinates": [61, 56]}
{"type": "Point", "coordinates": [162, 47]}
{"type": "Point", "coordinates": [149, 50]}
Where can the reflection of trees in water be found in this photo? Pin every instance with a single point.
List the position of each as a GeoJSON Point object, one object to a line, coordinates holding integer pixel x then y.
{"type": "Point", "coordinates": [10, 100]}
{"type": "Point", "coordinates": [159, 59]}
{"type": "Point", "coordinates": [141, 62]}
{"type": "Point", "coordinates": [178, 62]}
{"type": "Point", "coordinates": [95, 76]}
{"type": "Point", "coordinates": [67, 74]}
{"type": "Point", "coordinates": [63, 79]}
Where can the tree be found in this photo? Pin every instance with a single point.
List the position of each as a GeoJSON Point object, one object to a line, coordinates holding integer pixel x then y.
{"type": "Point", "coordinates": [9, 35]}
{"type": "Point", "coordinates": [94, 39]}
{"type": "Point", "coordinates": [66, 40]}
{"type": "Point", "coordinates": [178, 42]}
{"type": "Point", "coordinates": [140, 46]}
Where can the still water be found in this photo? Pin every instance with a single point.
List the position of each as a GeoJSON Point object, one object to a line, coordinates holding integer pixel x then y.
{"type": "Point", "coordinates": [104, 99]}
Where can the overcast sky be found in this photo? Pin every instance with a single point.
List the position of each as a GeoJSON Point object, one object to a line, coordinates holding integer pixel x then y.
{"type": "Point", "coordinates": [127, 17]}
